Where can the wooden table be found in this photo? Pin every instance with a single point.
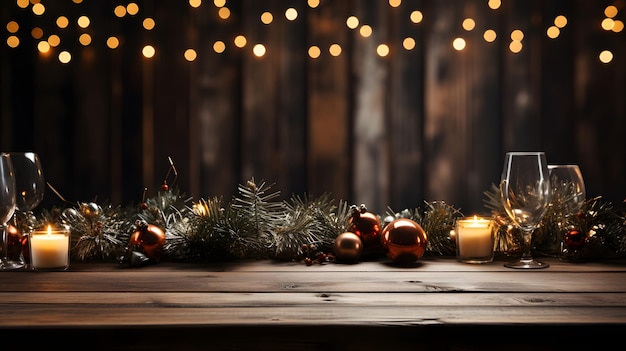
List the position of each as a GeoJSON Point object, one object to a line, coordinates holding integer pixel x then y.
{"type": "Point", "coordinates": [439, 304]}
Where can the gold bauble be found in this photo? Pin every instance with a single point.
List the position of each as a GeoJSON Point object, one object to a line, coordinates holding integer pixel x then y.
{"type": "Point", "coordinates": [348, 247]}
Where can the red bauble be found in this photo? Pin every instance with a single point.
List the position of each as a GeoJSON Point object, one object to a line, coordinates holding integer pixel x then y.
{"type": "Point", "coordinates": [366, 225]}
{"type": "Point", "coordinates": [404, 241]}
{"type": "Point", "coordinates": [574, 239]}
{"type": "Point", "coordinates": [14, 243]}
{"type": "Point", "coordinates": [348, 247]}
{"type": "Point", "coordinates": [149, 240]}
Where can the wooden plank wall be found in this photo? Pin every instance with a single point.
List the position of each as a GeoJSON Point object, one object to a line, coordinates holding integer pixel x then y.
{"type": "Point", "coordinates": [430, 123]}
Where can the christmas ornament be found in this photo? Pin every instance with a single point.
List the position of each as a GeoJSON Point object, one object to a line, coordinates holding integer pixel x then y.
{"type": "Point", "coordinates": [366, 225]}
{"type": "Point", "coordinates": [404, 241]}
{"type": "Point", "coordinates": [574, 239]}
{"type": "Point", "coordinates": [14, 243]}
{"type": "Point", "coordinates": [149, 240]}
{"type": "Point", "coordinates": [348, 247]}
{"type": "Point", "coordinates": [90, 210]}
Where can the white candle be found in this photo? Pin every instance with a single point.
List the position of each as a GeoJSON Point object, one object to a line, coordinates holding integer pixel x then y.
{"type": "Point", "coordinates": [49, 249]}
{"type": "Point", "coordinates": [474, 239]}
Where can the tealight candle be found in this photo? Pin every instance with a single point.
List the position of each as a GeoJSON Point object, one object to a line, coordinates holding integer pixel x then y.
{"type": "Point", "coordinates": [474, 240]}
{"type": "Point", "coordinates": [50, 249]}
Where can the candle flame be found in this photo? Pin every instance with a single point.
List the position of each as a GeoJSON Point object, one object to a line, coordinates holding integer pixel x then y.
{"type": "Point", "coordinates": [49, 229]}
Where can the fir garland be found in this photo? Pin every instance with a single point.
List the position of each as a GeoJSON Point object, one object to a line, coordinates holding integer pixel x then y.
{"type": "Point", "coordinates": [255, 225]}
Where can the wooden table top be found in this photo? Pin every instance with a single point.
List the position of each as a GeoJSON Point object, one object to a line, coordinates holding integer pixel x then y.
{"type": "Point", "coordinates": [437, 304]}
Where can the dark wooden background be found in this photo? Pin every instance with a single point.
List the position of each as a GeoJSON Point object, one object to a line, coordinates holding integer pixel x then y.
{"type": "Point", "coordinates": [419, 125]}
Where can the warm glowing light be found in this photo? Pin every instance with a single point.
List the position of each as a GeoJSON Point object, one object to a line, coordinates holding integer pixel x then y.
{"type": "Point", "coordinates": [267, 18]}
{"type": "Point", "coordinates": [395, 3]}
{"type": "Point", "coordinates": [13, 27]}
{"type": "Point", "coordinates": [113, 42]}
{"type": "Point", "coordinates": [36, 33]}
{"type": "Point", "coordinates": [515, 46]}
{"type": "Point", "coordinates": [13, 41]}
{"type": "Point", "coordinates": [408, 43]}
{"type": "Point", "coordinates": [148, 51]}
{"type": "Point", "coordinates": [365, 31]}
{"type": "Point", "coordinates": [259, 50]}
{"type": "Point", "coordinates": [313, 3]}
{"type": "Point", "coordinates": [335, 50]}
{"type": "Point", "coordinates": [83, 21]}
{"type": "Point", "coordinates": [490, 35]}
{"type": "Point", "coordinates": [219, 46]}
{"type": "Point", "coordinates": [352, 22]}
{"type": "Point", "coordinates": [219, 3]}
{"type": "Point", "coordinates": [469, 24]}
{"type": "Point", "coordinates": [195, 3]}
{"type": "Point", "coordinates": [223, 12]}
{"type": "Point", "coordinates": [65, 57]}
{"type": "Point", "coordinates": [610, 11]}
{"type": "Point", "coordinates": [606, 56]}
{"type": "Point", "coordinates": [148, 23]}
{"type": "Point", "coordinates": [608, 23]}
{"type": "Point", "coordinates": [190, 55]}
{"type": "Point", "coordinates": [54, 40]}
{"type": "Point", "coordinates": [77, 1]}
{"type": "Point", "coordinates": [119, 11]}
{"type": "Point", "coordinates": [416, 16]}
{"type": "Point", "coordinates": [291, 14]}
{"type": "Point", "coordinates": [517, 35]}
{"type": "Point", "coordinates": [560, 21]}
{"type": "Point", "coordinates": [382, 50]}
{"type": "Point", "coordinates": [240, 41]}
{"type": "Point", "coordinates": [38, 9]}
{"type": "Point", "coordinates": [132, 8]}
{"type": "Point", "coordinates": [458, 44]}
{"type": "Point", "coordinates": [43, 47]}
{"type": "Point", "coordinates": [314, 52]}
{"type": "Point", "coordinates": [618, 26]}
{"type": "Point", "coordinates": [23, 3]}
{"type": "Point", "coordinates": [494, 4]}
{"type": "Point", "coordinates": [62, 22]}
{"type": "Point", "coordinates": [85, 39]}
{"type": "Point", "coordinates": [553, 32]}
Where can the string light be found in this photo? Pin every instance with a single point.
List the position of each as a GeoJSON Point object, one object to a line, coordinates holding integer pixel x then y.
{"type": "Point", "coordinates": [43, 47]}
{"type": "Point", "coordinates": [148, 23]}
{"type": "Point", "coordinates": [458, 44]}
{"type": "Point", "coordinates": [190, 55]}
{"type": "Point", "coordinates": [382, 50]}
{"type": "Point", "coordinates": [148, 51]}
{"type": "Point", "coordinates": [259, 50]}
{"type": "Point", "coordinates": [65, 57]}
{"type": "Point", "coordinates": [416, 16]}
{"type": "Point", "coordinates": [606, 56]}
{"type": "Point", "coordinates": [219, 47]}
{"type": "Point", "coordinates": [291, 14]}
{"type": "Point", "coordinates": [365, 31]}
{"type": "Point", "coordinates": [352, 22]}
{"type": "Point", "coordinates": [408, 43]}
{"type": "Point", "coordinates": [334, 50]}
{"type": "Point", "coordinates": [314, 52]}
{"type": "Point", "coordinates": [490, 35]}
{"type": "Point", "coordinates": [469, 24]}
{"type": "Point", "coordinates": [267, 18]}
{"type": "Point", "coordinates": [609, 23]}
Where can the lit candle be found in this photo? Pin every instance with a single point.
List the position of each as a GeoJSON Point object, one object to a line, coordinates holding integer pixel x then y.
{"type": "Point", "coordinates": [474, 239]}
{"type": "Point", "coordinates": [49, 249]}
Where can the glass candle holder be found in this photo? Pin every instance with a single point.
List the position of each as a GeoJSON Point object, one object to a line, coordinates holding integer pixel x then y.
{"type": "Point", "coordinates": [50, 249]}
{"type": "Point", "coordinates": [474, 240]}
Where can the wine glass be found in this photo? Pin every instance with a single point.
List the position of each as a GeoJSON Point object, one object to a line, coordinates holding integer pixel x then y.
{"type": "Point", "coordinates": [30, 186]}
{"type": "Point", "coordinates": [525, 193]}
{"type": "Point", "coordinates": [7, 205]}
{"type": "Point", "coordinates": [568, 188]}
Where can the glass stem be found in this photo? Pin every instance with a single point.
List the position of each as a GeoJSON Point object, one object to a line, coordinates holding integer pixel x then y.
{"type": "Point", "coordinates": [526, 237]}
